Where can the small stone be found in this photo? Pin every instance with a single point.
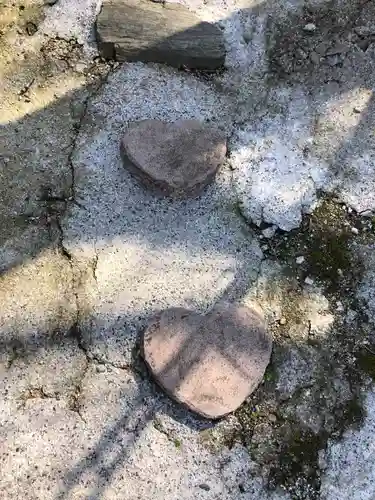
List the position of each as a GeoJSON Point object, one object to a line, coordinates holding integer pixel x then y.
{"type": "Point", "coordinates": [100, 368]}
{"type": "Point", "coordinates": [31, 28]}
{"type": "Point", "coordinates": [176, 159]}
{"type": "Point", "coordinates": [272, 418]}
{"type": "Point", "coordinates": [204, 487]}
{"type": "Point", "coordinates": [300, 259]}
{"type": "Point", "coordinates": [210, 363]}
{"type": "Point", "coordinates": [355, 230]}
{"type": "Point", "coordinates": [315, 58]}
{"type": "Point", "coordinates": [282, 321]}
{"type": "Point", "coordinates": [80, 67]}
{"type": "Point", "coordinates": [309, 281]}
{"type": "Point", "coordinates": [310, 27]}
{"type": "Point", "coordinates": [167, 33]}
{"type": "Point", "coordinates": [269, 232]}
{"type": "Point", "coordinates": [339, 306]}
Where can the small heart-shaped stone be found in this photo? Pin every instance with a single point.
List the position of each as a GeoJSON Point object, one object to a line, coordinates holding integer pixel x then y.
{"type": "Point", "coordinates": [177, 159]}
{"type": "Point", "coordinates": [211, 363]}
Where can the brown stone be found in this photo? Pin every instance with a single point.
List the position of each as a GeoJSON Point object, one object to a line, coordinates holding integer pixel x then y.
{"type": "Point", "coordinates": [210, 363]}
{"type": "Point", "coordinates": [168, 33]}
{"type": "Point", "coordinates": [177, 159]}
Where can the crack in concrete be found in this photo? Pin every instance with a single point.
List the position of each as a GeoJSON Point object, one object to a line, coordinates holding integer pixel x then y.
{"type": "Point", "coordinates": [74, 402]}
{"type": "Point", "coordinates": [95, 265]}
{"type": "Point", "coordinates": [35, 392]}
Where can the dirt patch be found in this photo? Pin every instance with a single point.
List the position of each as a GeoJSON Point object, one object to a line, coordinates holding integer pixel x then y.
{"type": "Point", "coordinates": [315, 44]}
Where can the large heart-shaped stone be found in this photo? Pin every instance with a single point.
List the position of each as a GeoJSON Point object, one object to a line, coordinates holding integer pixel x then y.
{"type": "Point", "coordinates": [211, 363]}
{"type": "Point", "coordinates": [178, 159]}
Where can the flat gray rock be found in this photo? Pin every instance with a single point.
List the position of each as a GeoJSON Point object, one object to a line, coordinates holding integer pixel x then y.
{"type": "Point", "coordinates": [177, 159]}
{"type": "Point", "coordinates": [210, 363]}
{"type": "Point", "coordinates": [141, 30]}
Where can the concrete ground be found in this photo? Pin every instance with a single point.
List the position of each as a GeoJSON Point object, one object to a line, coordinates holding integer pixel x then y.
{"type": "Point", "coordinates": [87, 256]}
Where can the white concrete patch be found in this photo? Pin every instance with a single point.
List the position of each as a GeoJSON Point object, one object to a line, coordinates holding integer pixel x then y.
{"type": "Point", "coordinates": [350, 463]}
{"type": "Point", "coordinates": [151, 253]}
{"type": "Point", "coordinates": [73, 19]}
{"type": "Point", "coordinates": [344, 135]}
{"type": "Point", "coordinates": [275, 181]}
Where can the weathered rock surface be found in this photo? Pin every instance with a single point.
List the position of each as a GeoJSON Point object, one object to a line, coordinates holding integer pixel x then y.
{"type": "Point", "coordinates": [209, 363]}
{"type": "Point", "coordinates": [141, 30]}
{"type": "Point", "coordinates": [176, 159]}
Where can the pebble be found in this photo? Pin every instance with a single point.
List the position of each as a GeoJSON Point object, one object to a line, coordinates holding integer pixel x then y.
{"type": "Point", "coordinates": [300, 259]}
{"type": "Point", "coordinates": [315, 58]}
{"type": "Point", "coordinates": [310, 27]}
{"type": "Point", "coordinates": [31, 28]}
{"type": "Point", "coordinates": [204, 487]}
{"type": "Point", "coordinates": [309, 281]}
{"type": "Point", "coordinates": [355, 230]}
{"type": "Point", "coordinates": [282, 321]}
{"type": "Point", "coordinates": [80, 67]}
{"type": "Point", "coordinates": [339, 306]}
{"type": "Point", "coordinates": [269, 232]}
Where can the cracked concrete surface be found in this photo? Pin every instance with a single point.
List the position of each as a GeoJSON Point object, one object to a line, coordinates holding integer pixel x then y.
{"type": "Point", "coordinates": [87, 255]}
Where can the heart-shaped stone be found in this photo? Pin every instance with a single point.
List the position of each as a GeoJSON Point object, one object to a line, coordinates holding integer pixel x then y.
{"type": "Point", "coordinates": [177, 159]}
{"type": "Point", "coordinates": [211, 363]}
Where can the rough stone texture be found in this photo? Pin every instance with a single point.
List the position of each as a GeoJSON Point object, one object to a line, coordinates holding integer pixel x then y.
{"type": "Point", "coordinates": [140, 30]}
{"type": "Point", "coordinates": [210, 363]}
{"type": "Point", "coordinates": [177, 159]}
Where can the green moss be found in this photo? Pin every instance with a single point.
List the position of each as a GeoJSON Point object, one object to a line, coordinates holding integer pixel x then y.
{"type": "Point", "coordinates": [324, 240]}
{"type": "Point", "coordinates": [177, 443]}
{"type": "Point", "coordinates": [366, 361]}
{"type": "Point", "coordinates": [270, 376]}
{"type": "Point", "coordinates": [352, 414]}
{"type": "Point", "coordinates": [297, 468]}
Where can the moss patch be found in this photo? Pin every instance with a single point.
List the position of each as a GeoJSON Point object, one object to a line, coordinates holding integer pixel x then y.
{"type": "Point", "coordinates": [297, 469]}
{"type": "Point", "coordinates": [325, 241]}
{"type": "Point", "coordinates": [285, 428]}
{"type": "Point", "coordinates": [366, 361]}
